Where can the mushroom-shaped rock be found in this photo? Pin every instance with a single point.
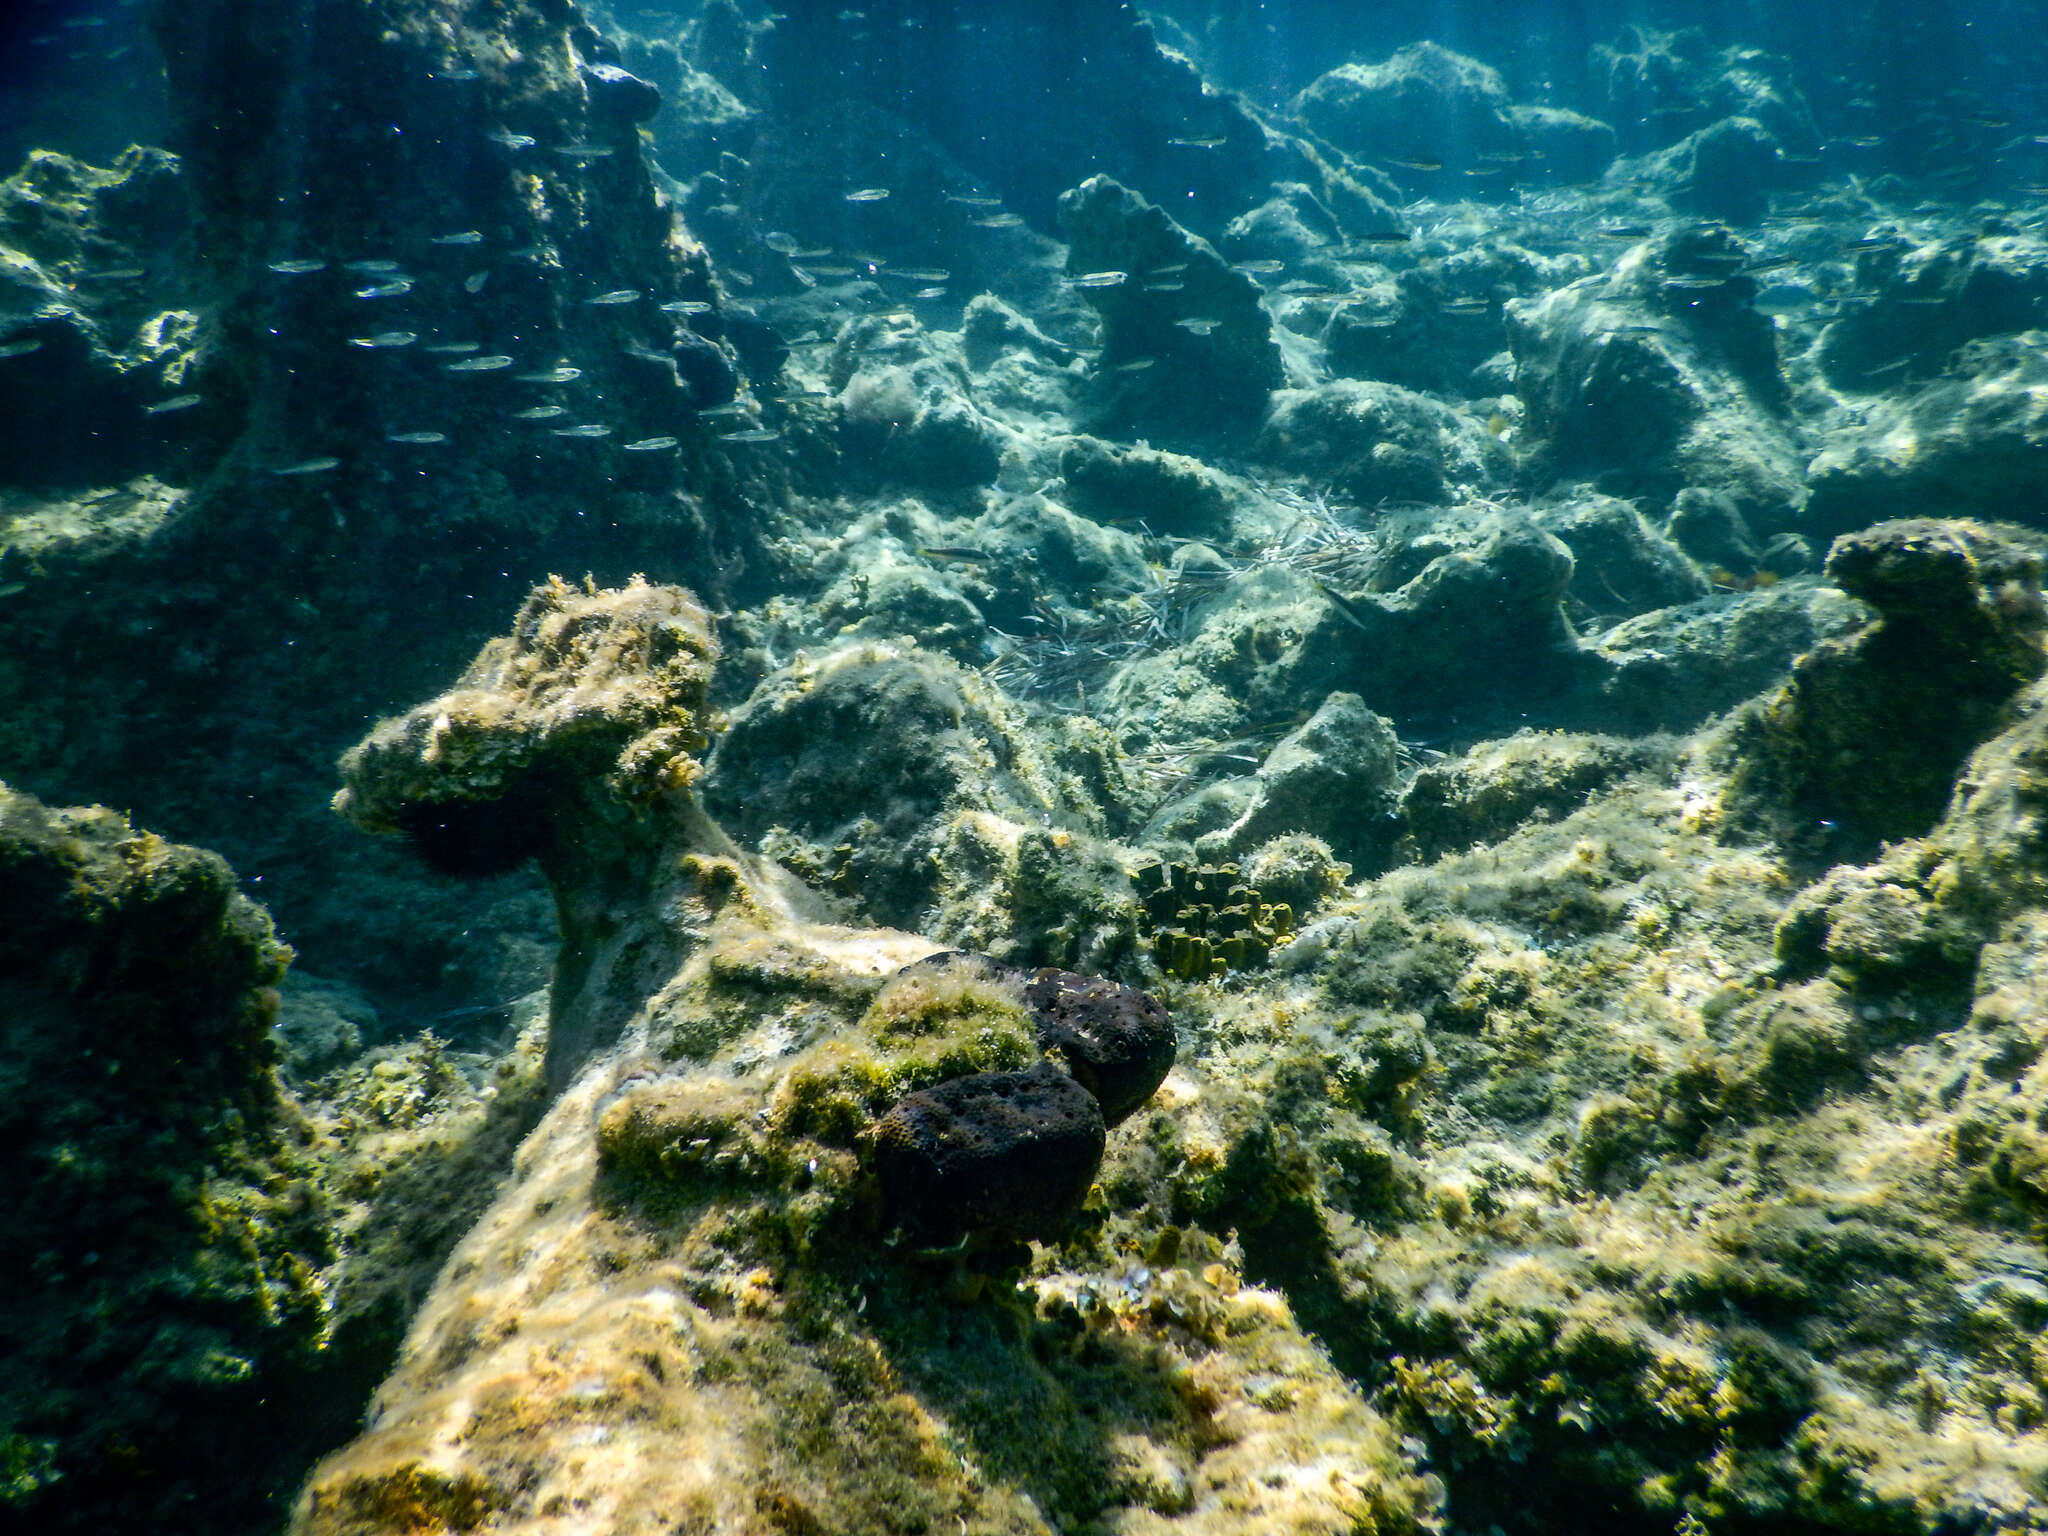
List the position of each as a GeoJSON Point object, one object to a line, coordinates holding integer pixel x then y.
{"type": "Point", "coordinates": [1008, 1153]}
{"type": "Point", "coordinates": [570, 741]}
{"type": "Point", "coordinates": [1116, 1040]}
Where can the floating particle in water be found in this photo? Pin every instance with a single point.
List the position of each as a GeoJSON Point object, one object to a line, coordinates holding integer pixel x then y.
{"type": "Point", "coordinates": [474, 283]}
{"type": "Point", "coordinates": [781, 242]}
{"type": "Point", "coordinates": [540, 413]}
{"type": "Point", "coordinates": [649, 445]}
{"type": "Point", "coordinates": [1101, 279]}
{"type": "Point", "coordinates": [21, 348]}
{"type": "Point", "coordinates": [318, 466]}
{"type": "Point", "coordinates": [868, 195]}
{"type": "Point", "coordinates": [687, 307]}
{"type": "Point", "coordinates": [1197, 325]}
{"type": "Point", "coordinates": [1265, 266]}
{"type": "Point", "coordinates": [616, 296]}
{"type": "Point", "coordinates": [1000, 221]}
{"type": "Point", "coordinates": [750, 435]}
{"type": "Point", "coordinates": [453, 348]}
{"type": "Point", "coordinates": [376, 266]}
{"type": "Point", "coordinates": [390, 290]}
{"type": "Point", "coordinates": [463, 237]}
{"type": "Point", "coordinates": [299, 266]}
{"type": "Point", "coordinates": [489, 363]}
{"type": "Point", "coordinates": [417, 439]}
{"type": "Point", "coordinates": [586, 429]}
{"type": "Point", "coordinates": [1206, 141]}
{"type": "Point", "coordinates": [512, 141]}
{"type": "Point", "coordinates": [385, 339]}
{"type": "Point", "coordinates": [175, 403]}
{"type": "Point", "coordinates": [561, 375]}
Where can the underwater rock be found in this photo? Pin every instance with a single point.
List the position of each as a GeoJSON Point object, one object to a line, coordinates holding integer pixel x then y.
{"type": "Point", "coordinates": [1169, 493]}
{"type": "Point", "coordinates": [618, 93]}
{"type": "Point", "coordinates": [1927, 299]}
{"type": "Point", "coordinates": [1657, 87]}
{"type": "Point", "coordinates": [1423, 104]}
{"type": "Point", "coordinates": [1870, 732]}
{"type": "Point", "coordinates": [1117, 1041]}
{"type": "Point", "coordinates": [905, 411]}
{"type": "Point", "coordinates": [1569, 146]}
{"type": "Point", "coordinates": [1621, 566]}
{"type": "Point", "coordinates": [1167, 295]}
{"type": "Point", "coordinates": [97, 320]}
{"type": "Point", "coordinates": [1291, 226]}
{"type": "Point", "coordinates": [570, 742]}
{"type": "Point", "coordinates": [1973, 443]}
{"type": "Point", "coordinates": [1378, 443]}
{"type": "Point", "coordinates": [1727, 171]}
{"type": "Point", "coordinates": [1484, 794]}
{"type": "Point", "coordinates": [164, 1204]}
{"type": "Point", "coordinates": [1659, 375]}
{"type": "Point", "coordinates": [1004, 1153]}
{"type": "Point", "coordinates": [1437, 325]}
{"type": "Point", "coordinates": [1673, 668]}
{"type": "Point", "coordinates": [1334, 778]}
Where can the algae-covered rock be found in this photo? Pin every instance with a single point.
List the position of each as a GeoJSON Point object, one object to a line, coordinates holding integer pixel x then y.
{"type": "Point", "coordinates": [1167, 296]}
{"type": "Point", "coordinates": [1425, 104]}
{"type": "Point", "coordinates": [1869, 733]}
{"type": "Point", "coordinates": [166, 1223]}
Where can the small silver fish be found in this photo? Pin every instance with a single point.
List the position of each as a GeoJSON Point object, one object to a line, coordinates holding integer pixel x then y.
{"type": "Point", "coordinates": [751, 435]}
{"type": "Point", "coordinates": [587, 429]}
{"type": "Point", "coordinates": [318, 466]}
{"type": "Point", "coordinates": [13, 588]}
{"type": "Point", "coordinates": [175, 403]}
{"type": "Point", "coordinates": [781, 242]}
{"type": "Point", "coordinates": [1207, 141]}
{"type": "Point", "coordinates": [1172, 285]}
{"type": "Point", "coordinates": [532, 253]}
{"type": "Point", "coordinates": [466, 237]}
{"type": "Point", "coordinates": [488, 364]}
{"type": "Point", "coordinates": [1100, 279]}
{"type": "Point", "coordinates": [298, 266]}
{"type": "Point", "coordinates": [1196, 325]}
{"type": "Point", "coordinates": [452, 348]}
{"type": "Point", "coordinates": [1265, 266]}
{"type": "Point", "coordinates": [929, 293]}
{"type": "Point", "coordinates": [113, 275]}
{"type": "Point", "coordinates": [583, 151]}
{"type": "Point", "coordinates": [921, 274]}
{"type": "Point", "coordinates": [512, 141]}
{"type": "Point", "coordinates": [1136, 365]}
{"type": "Point", "coordinates": [375, 267]}
{"type": "Point", "coordinates": [964, 554]}
{"type": "Point", "coordinates": [687, 307]}
{"type": "Point", "coordinates": [385, 339]}
{"type": "Point", "coordinates": [725, 412]}
{"type": "Point", "coordinates": [21, 348]}
{"type": "Point", "coordinates": [972, 200]}
{"type": "Point", "coordinates": [616, 296]}
{"type": "Point", "coordinates": [649, 445]}
{"type": "Point", "coordinates": [868, 195]}
{"type": "Point", "coordinates": [560, 375]}
{"type": "Point", "coordinates": [540, 413]}
{"type": "Point", "coordinates": [390, 290]}
{"type": "Point", "coordinates": [474, 283]}
{"type": "Point", "coordinates": [417, 439]}
{"type": "Point", "coordinates": [1000, 221]}
{"type": "Point", "coordinates": [457, 76]}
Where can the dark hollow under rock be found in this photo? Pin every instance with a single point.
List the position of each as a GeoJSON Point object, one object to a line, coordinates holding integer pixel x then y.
{"type": "Point", "coordinates": [1007, 1153]}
